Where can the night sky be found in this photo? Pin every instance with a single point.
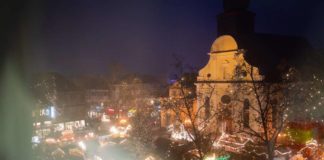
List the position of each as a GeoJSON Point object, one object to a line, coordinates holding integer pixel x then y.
{"type": "Point", "coordinates": [87, 36]}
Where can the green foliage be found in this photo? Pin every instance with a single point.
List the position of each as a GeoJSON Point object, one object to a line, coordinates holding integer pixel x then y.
{"type": "Point", "coordinates": [300, 136]}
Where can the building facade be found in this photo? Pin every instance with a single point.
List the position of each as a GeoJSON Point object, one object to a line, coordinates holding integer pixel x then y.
{"type": "Point", "coordinates": [174, 110]}
{"type": "Point", "coordinates": [236, 56]}
{"type": "Point", "coordinates": [216, 84]}
{"type": "Point", "coordinates": [59, 105]}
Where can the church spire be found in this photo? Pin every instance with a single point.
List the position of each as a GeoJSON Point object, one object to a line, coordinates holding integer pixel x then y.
{"type": "Point", "coordinates": [236, 18]}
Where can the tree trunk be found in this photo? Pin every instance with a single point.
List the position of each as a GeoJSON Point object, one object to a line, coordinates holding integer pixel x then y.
{"type": "Point", "coordinates": [270, 150]}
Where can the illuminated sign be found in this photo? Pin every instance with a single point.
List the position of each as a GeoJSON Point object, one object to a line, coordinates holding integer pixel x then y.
{"type": "Point", "coordinates": [48, 112]}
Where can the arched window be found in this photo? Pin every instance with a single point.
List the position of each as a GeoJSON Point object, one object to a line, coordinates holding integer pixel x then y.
{"type": "Point", "coordinates": [207, 107]}
{"type": "Point", "coordinates": [246, 113]}
{"type": "Point", "coordinates": [167, 119]}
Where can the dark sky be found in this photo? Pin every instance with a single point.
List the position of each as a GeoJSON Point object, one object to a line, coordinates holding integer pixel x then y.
{"type": "Point", "coordinates": [87, 36]}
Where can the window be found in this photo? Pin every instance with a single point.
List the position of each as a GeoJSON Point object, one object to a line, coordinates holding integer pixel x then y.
{"type": "Point", "coordinates": [168, 119]}
{"type": "Point", "coordinates": [246, 113]}
{"type": "Point", "coordinates": [207, 107]}
{"type": "Point", "coordinates": [226, 99]}
{"type": "Point", "coordinates": [173, 93]}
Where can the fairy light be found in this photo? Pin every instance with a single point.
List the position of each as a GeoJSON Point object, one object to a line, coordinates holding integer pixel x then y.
{"type": "Point", "coordinates": [217, 143]}
{"type": "Point", "coordinates": [236, 143]}
{"type": "Point", "coordinates": [260, 154]}
{"type": "Point", "coordinates": [180, 134]}
{"type": "Point", "coordinates": [277, 152]}
{"type": "Point", "coordinates": [283, 153]}
{"type": "Point", "coordinates": [225, 140]}
{"type": "Point", "coordinates": [229, 145]}
{"type": "Point", "coordinates": [221, 137]}
{"type": "Point", "coordinates": [311, 144]}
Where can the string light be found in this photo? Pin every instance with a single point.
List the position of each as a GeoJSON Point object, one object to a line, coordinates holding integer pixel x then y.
{"type": "Point", "coordinates": [180, 134]}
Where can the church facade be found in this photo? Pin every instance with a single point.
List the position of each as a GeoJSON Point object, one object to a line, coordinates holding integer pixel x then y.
{"type": "Point", "coordinates": [241, 57]}
{"type": "Point", "coordinates": [216, 84]}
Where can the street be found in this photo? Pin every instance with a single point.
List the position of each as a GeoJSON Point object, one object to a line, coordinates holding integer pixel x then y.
{"type": "Point", "coordinates": [115, 152]}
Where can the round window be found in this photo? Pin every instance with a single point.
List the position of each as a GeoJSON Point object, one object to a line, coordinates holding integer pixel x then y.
{"type": "Point", "coordinates": [226, 99]}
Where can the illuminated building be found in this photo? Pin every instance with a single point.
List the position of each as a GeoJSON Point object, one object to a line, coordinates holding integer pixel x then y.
{"type": "Point", "coordinates": [59, 105]}
{"type": "Point", "coordinates": [238, 44]}
{"type": "Point", "coordinates": [219, 74]}
{"type": "Point", "coordinates": [132, 91]}
{"type": "Point", "coordinates": [170, 112]}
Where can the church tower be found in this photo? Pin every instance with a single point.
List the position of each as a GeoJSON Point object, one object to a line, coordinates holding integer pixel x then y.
{"type": "Point", "coordinates": [236, 19]}
{"type": "Point", "coordinates": [216, 80]}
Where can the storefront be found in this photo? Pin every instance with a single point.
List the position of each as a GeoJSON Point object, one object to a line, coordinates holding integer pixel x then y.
{"type": "Point", "coordinates": [46, 128]}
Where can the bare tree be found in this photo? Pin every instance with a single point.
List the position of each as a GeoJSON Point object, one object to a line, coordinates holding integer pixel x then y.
{"type": "Point", "coordinates": [198, 120]}
{"type": "Point", "coordinates": [270, 102]}
{"type": "Point", "coordinates": [267, 102]}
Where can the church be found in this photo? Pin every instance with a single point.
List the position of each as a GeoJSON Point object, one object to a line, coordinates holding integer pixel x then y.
{"type": "Point", "coordinates": [239, 45]}
{"type": "Point", "coordinates": [240, 57]}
